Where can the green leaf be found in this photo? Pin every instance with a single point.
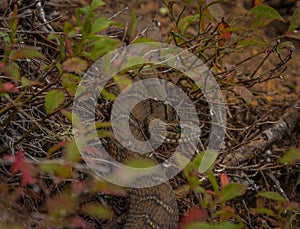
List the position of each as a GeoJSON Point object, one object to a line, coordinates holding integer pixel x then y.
{"type": "Point", "coordinates": [228, 213]}
{"type": "Point", "coordinates": [197, 160]}
{"type": "Point", "coordinates": [13, 22]}
{"type": "Point", "coordinates": [108, 95]}
{"type": "Point", "coordinates": [251, 42]}
{"type": "Point", "coordinates": [100, 47]}
{"type": "Point", "coordinates": [26, 53]}
{"type": "Point", "coordinates": [53, 37]}
{"type": "Point", "coordinates": [101, 125]}
{"type": "Point", "coordinates": [133, 23]}
{"type": "Point", "coordinates": [104, 134]}
{"type": "Point", "coordinates": [86, 28]}
{"type": "Point", "coordinates": [202, 225]}
{"type": "Point", "coordinates": [70, 82]}
{"type": "Point", "coordinates": [5, 37]}
{"type": "Point", "coordinates": [186, 21]}
{"type": "Point", "coordinates": [134, 61]}
{"type": "Point", "coordinates": [292, 156]}
{"type": "Point", "coordinates": [75, 64]}
{"type": "Point", "coordinates": [140, 163]}
{"type": "Point", "coordinates": [69, 29]}
{"type": "Point", "coordinates": [263, 211]}
{"type": "Point", "coordinates": [213, 182]}
{"type": "Point", "coordinates": [56, 168]}
{"type": "Point", "coordinates": [193, 181]}
{"type": "Point", "coordinates": [295, 20]}
{"type": "Point", "coordinates": [267, 12]}
{"type": "Point", "coordinates": [100, 24]}
{"type": "Point", "coordinates": [205, 225]}
{"type": "Point", "coordinates": [73, 153]}
{"type": "Point", "coordinates": [97, 210]}
{"type": "Point", "coordinates": [272, 195]}
{"type": "Point", "coordinates": [285, 45]}
{"type": "Point", "coordinates": [80, 14]}
{"type": "Point", "coordinates": [59, 68]}
{"type": "Point", "coordinates": [96, 4]}
{"type": "Point", "coordinates": [122, 81]}
{"type": "Point", "coordinates": [231, 191]}
{"type": "Point", "coordinates": [190, 171]}
{"type": "Point", "coordinates": [229, 225]}
{"type": "Point", "coordinates": [142, 40]}
{"type": "Point", "coordinates": [69, 116]}
{"type": "Point", "coordinates": [25, 82]}
{"type": "Point", "coordinates": [82, 11]}
{"type": "Point", "coordinates": [53, 99]}
{"type": "Point", "coordinates": [56, 147]}
{"type": "Point", "coordinates": [12, 70]}
{"type": "Point", "coordinates": [260, 21]}
{"type": "Point", "coordinates": [208, 160]}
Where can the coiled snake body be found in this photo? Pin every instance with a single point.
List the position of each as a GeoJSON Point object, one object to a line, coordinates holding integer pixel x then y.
{"type": "Point", "coordinates": [153, 206]}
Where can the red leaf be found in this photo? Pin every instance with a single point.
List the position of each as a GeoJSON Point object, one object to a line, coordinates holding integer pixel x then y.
{"type": "Point", "coordinates": [223, 32]}
{"type": "Point", "coordinates": [19, 162]}
{"type": "Point", "coordinates": [61, 204]}
{"type": "Point", "coordinates": [9, 157]}
{"type": "Point", "coordinates": [224, 179]}
{"type": "Point", "coordinates": [69, 46]}
{"type": "Point", "coordinates": [9, 87]}
{"type": "Point", "coordinates": [26, 53]}
{"type": "Point", "coordinates": [20, 165]}
{"type": "Point", "coordinates": [75, 64]}
{"type": "Point", "coordinates": [230, 209]}
{"type": "Point", "coordinates": [77, 222]}
{"type": "Point", "coordinates": [210, 192]}
{"type": "Point", "coordinates": [195, 214]}
{"type": "Point", "coordinates": [57, 147]}
{"type": "Point", "coordinates": [26, 177]}
{"type": "Point", "coordinates": [2, 66]}
{"type": "Point", "coordinates": [257, 2]}
{"type": "Point", "coordinates": [79, 187]}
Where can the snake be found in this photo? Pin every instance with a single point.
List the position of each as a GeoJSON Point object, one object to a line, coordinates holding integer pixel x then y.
{"type": "Point", "coordinates": [152, 207]}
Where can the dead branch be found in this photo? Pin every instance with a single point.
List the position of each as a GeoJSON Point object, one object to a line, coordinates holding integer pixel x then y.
{"type": "Point", "coordinates": [285, 126]}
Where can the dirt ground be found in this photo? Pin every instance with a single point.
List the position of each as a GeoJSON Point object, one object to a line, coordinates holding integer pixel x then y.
{"type": "Point", "coordinates": [149, 10]}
